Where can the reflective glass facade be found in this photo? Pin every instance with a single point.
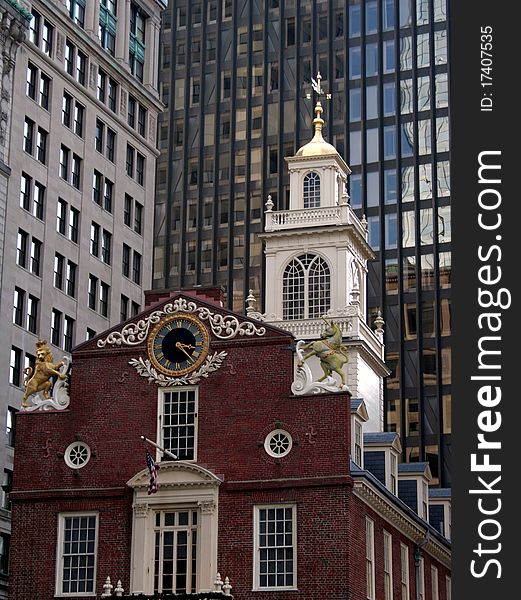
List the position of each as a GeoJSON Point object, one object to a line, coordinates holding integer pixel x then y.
{"type": "Point", "coordinates": [234, 75]}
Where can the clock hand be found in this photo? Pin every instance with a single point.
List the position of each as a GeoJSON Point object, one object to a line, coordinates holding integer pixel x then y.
{"type": "Point", "coordinates": [180, 345]}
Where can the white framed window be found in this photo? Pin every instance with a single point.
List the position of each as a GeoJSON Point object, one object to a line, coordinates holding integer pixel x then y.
{"type": "Point", "coordinates": [434, 583]}
{"type": "Point", "coordinates": [278, 443]}
{"type": "Point", "coordinates": [358, 454]}
{"type": "Point", "coordinates": [388, 566]}
{"type": "Point", "coordinates": [393, 474]}
{"type": "Point", "coordinates": [404, 568]}
{"type": "Point", "coordinates": [305, 288]}
{"type": "Point", "coordinates": [370, 574]}
{"type": "Point", "coordinates": [448, 588]}
{"type": "Point", "coordinates": [177, 426]}
{"type": "Point", "coordinates": [77, 553]}
{"type": "Point", "coordinates": [77, 455]}
{"type": "Point", "coordinates": [312, 190]}
{"type": "Point", "coordinates": [179, 523]}
{"type": "Point", "coordinates": [421, 582]}
{"type": "Point", "coordinates": [425, 501]}
{"type": "Point", "coordinates": [275, 547]}
{"type": "Point", "coordinates": [175, 550]}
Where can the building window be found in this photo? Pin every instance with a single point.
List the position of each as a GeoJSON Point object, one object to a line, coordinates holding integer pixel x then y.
{"type": "Point", "coordinates": [32, 314]}
{"type": "Point", "coordinates": [68, 334]}
{"type": "Point", "coordinates": [136, 268]}
{"type": "Point", "coordinates": [278, 443]}
{"type": "Point", "coordinates": [394, 474]}
{"type": "Point", "coordinates": [74, 223]}
{"type": "Point", "coordinates": [61, 216]}
{"type": "Point", "coordinates": [358, 444]}
{"type": "Point", "coordinates": [124, 305]}
{"type": "Point", "coordinates": [275, 547]}
{"type": "Point", "coordinates": [4, 553]}
{"type": "Point", "coordinates": [28, 135]}
{"type": "Point", "coordinates": [92, 299]}
{"type": "Point", "coordinates": [36, 253]}
{"type": "Point", "coordinates": [305, 288]}
{"type": "Point", "coordinates": [140, 168]}
{"type": "Point", "coordinates": [125, 261]}
{"type": "Point", "coordinates": [56, 327]}
{"type": "Point", "coordinates": [129, 165]}
{"type": "Point", "coordinates": [22, 240]}
{"type": "Point", "coordinates": [369, 559]}
{"type": "Point", "coordinates": [106, 246]}
{"type": "Point", "coordinates": [108, 193]}
{"type": "Point", "coordinates": [79, 112]}
{"type": "Point", "coordinates": [421, 580]}
{"type": "Point", "coordinates": [104, 298]}
{"type": "Point", "coordinates": [18, 306]}
{"type": "Point", "coordinates": [76, 10]}
{"type": "Point", "coordinates": [77, 550]}
{"type": "Point", "coordinates": [138, 218]}
{"type": "Point", "coordinates": [10, 426]}
{"type": "Point", "coordinates": [388, 566]}
{"type": "Point", "coordinates": [15, 366]}
{"type": "Point", "coordinates": [110, 148]}
{"type": "Point", "coordinates": [127, 210]}
{"type": "Point", "coordinates": [179, 422]}
{"type": "Point", "coordinates": [6, 489]}
{"type": "Point", "coordinates": [312, 190]}
{"type": "Point", "coordinates": [136, 53]}
{"type": "Point", "coordinates": [434, 583]}
{"type": "Point", "coordinates": [404, 564]}
{"type": "Point", "coordinates": [96, 187]}
{"type": "Point", "coordinates": [94, 239]}
{"type": "Point", "coordinates": [175, 534]}
{"type": "Point", "coordinates": [76, 171]}
{"type": "Point", "coordinates": [71, 279]}
{"type": "Point", "coordinates": [108, 25]}
{"type": "Point", "coordinates": [77, 455]}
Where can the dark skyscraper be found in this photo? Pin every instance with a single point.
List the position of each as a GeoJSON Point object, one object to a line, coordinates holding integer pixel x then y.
{"type": "Point", "coordinates": [235, 76]}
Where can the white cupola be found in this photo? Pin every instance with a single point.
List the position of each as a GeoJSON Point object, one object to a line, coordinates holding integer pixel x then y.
{"type": "Point", "coordinates": [316, 265]}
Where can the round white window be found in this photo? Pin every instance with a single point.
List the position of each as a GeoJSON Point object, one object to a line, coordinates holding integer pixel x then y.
{"type": "Point", "coordinates": [278, 443]}
{"type": "Point", "coordinates": [77, 455]}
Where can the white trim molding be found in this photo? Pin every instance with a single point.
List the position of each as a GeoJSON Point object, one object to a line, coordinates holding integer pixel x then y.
{"type": "Point", "coordinates": [374, 498]}
{"type": "Point", "coordinates": [181, 485]}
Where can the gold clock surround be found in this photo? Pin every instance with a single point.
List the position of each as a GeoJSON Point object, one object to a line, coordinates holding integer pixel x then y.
{"type": "Point", "coordinates": [167, 351]}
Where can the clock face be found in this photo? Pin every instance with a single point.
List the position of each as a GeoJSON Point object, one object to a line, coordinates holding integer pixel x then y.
{"type": "Point", "coordinates": [178, 345]}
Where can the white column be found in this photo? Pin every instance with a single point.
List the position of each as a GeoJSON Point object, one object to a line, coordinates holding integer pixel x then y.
{"type": "Point", "coordinates": [122, 29]}
{"type": "Point", "coordinates": [141, 553]}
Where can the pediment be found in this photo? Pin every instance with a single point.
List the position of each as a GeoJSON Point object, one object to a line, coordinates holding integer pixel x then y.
{"type": "Point", "coordinates": [177, 474]}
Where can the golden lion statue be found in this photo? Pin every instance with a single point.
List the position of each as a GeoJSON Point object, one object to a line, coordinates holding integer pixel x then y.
{"type": "Point", "coordinates": [39, 378]}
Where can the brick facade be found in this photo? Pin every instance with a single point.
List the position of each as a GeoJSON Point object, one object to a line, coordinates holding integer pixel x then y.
{"type": "Point", "coordinates": [239, 404]}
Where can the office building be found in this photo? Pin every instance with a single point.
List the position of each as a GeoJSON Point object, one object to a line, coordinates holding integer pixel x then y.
{"type": "Point", "coordinates": [236, 76]}
{"type": "Point", "coordinates": [77, 247]}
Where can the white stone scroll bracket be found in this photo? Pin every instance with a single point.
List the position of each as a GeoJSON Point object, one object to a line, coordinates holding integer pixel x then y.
{"type": "Point", "coordinates": [305, 384]}
{"type": "Point", "coordinates": [60, 393]}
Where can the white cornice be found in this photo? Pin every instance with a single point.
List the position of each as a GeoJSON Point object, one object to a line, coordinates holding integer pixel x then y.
{"type": "Point", "coordinates": [369, 494]}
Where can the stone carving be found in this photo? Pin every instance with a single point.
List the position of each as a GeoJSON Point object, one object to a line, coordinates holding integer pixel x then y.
{"type": "Point", "coordinates": [39, 381]}
{"type": "Point", "coordinates": [141, 510]}
{"type": "Point", "coordinates": [144, 367]}
{"type": "Point", "coordinates": [207, 507]}
{"type": "Point", "coordinates": [224, 327]}
{"type": "Point", "coordinates": [332, 355]}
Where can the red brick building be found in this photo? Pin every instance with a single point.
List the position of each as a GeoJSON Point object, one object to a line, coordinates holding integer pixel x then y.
{"type": "Point", "coordinates": [269, 488]}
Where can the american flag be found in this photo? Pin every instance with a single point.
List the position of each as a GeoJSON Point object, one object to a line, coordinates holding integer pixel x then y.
{"type": "Point", "coordinates": [152, 469]}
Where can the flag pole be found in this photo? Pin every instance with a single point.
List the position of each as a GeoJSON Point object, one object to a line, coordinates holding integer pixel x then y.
{"type": "Point", "coordinates": [167, 452]}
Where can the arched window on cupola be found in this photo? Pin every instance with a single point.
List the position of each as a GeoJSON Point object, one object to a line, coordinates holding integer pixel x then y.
{"type": "Point", "coordinates": [306, 288]}
{"type": "Point", "coordinates": [312, 190]}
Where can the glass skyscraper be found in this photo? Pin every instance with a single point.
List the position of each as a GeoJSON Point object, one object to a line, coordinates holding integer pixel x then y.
{"type": "Point", "coordinates": [235, 76]}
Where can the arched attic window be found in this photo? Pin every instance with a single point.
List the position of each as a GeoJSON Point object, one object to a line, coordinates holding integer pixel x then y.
{"type": "Point", "coordinates": [312, 190]}
{"type": "Point", "coordinates": [306, 288]}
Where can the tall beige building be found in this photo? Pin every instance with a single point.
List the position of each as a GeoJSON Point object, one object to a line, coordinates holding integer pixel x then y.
{"type": "Point", "coordinates": [77, 248]}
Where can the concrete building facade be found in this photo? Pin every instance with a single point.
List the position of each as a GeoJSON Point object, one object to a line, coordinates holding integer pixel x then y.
{"type": "Point", "coordinates": [80, 204]}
